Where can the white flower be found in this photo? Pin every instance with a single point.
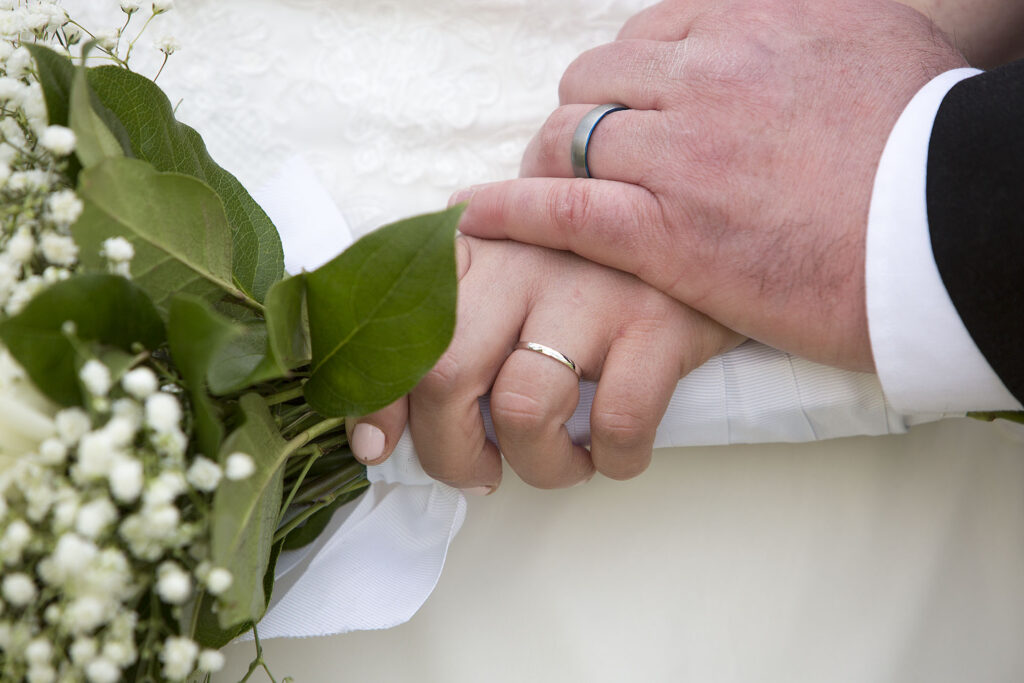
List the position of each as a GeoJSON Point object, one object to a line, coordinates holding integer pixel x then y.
{"type": "Point", "coordinates": [129, 410]}
{"type": "Point", "coordinates": [239, 466]}
{"type": "Point", "coordinates": [72, 34]}
{"type": "Point", "coordinates": [59, 249]}
{"type": "Point", "coordinates": [51, 614]}
{"type": "Point", "coordinates": [58, 140]}
{"type": "Point", "coordinates": [121, 652]}
{"type": "Point", "coordinates": [41, 673]}
{"type": "Point", "coordinates": [52, 452]}
{"type": "Point", "coordinates": [117, 249]}
{"type": "Point", "coordinates": [121, 430]}
{"type": "Point", "coordinates": [72, 425]}
{"type": "Point", "coordinates": [106, 39]}
{"type": "Point", "coordinates": [94, 517]}
{"type": "Point", "coordinates": [210, 661]}
{"type": "Point", "coordinates": [102, 670]}
{"type": "Point", "coordinates": [23, 293]}
{"type": "Point", "coordinates": [85, 614]}
{"type": "Point", "coordinates": [218, 580]}
{"type": "Point", "coordinates": [126, 479]}
{"type": "Point", "coordinates": [21, 246]}
{"type": "Point", "coordinates": [179, 655]}
{"type": "Point", "coordinates": [96, 456]}
{"type": "Point", "coordinates": [18, 62]}
{"type": "Point", "coordinates": [161, 521]}
{"type": "Point", "coordinates": [164, 489]}
{"type": "Point", "coordinates": [19, 589]}
{"type": "Point", "coordinates": [167, 45]}
{"type": "Point", "coordinates": [39, 651]}
{"type": "Point", "coordinates": [163, 412]}
{"type": "Point", "coordinates": [11, 90]}
{"type": "Point", "coordinates": [130, 6]}
{"type": "Point", "coordinates": [140, 383]}
{"type": "Point", "coordinates": [14, 540]}
{"type": "Point", "coordinates": [83, 650]}
{"type": "Point", "coordinates": [96, 377]}
{"type": "Point", "coordinates": [64, 207]}
{"type": "Point", "coordinates": [71, 554]}
{"type": "Point", "coordinates": [173, 585]}
{"type": "Point", "coordinates": [160, 6]}
{"type": "Point", "coordinates": [204, 474]}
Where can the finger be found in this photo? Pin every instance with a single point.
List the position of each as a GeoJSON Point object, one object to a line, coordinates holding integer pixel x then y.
{"type": "Point", "coordinates": [372, 437]}
{"type": "Point", "coordinates": [640, 74]}
{"type": "Point", "coordinates": [444, 417]}
{"type": "Point", "coordinates": [531, 401]}
{"type": "Point", "coordinates": [663, 343]}
{"type": "Point", "coordinates": [616, 224]}
{"type": "Point", "coordinates": [639, 375]}
{"type": "Point", "coordinates": [617, 143]}
{"type": "Point", "coordinates": [665, 21]}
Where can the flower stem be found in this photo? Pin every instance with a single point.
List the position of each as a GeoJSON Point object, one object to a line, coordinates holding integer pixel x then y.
{"type": "Point", "coordinates": [284, 396]}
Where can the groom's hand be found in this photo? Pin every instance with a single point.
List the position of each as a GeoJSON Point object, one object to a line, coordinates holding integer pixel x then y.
{"type": "Point", "coordinates": [635, 340]}
{"type": "Point", "coordinates": [740, 179]}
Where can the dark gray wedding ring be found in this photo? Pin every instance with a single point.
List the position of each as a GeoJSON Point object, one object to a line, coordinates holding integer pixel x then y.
{"type": "Point", "coordinates": [581, 138]}
{"type": "Point", "coordinates": [550, 353]}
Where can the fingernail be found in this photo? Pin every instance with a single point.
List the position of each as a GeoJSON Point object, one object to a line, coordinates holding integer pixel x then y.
{"type": "Point", "coordinates": [462, 195]}
{"type": "Point", "coordinates": [367, 443]}
{"type": "Point", "coordinates": [479, 491]}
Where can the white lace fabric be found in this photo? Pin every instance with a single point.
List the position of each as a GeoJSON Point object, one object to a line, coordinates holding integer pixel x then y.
{"type": "Point", "coordinates": [886, 559]}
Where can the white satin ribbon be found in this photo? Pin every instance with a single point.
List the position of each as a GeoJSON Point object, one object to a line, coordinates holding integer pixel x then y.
{"type": "Point", "coordinates": [381, 556]}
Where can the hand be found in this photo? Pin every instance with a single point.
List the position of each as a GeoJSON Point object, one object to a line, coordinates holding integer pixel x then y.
{"type": "Point", "coordinates": [739, 182]}
{"type": "Point", "coordinates": [635, 340]}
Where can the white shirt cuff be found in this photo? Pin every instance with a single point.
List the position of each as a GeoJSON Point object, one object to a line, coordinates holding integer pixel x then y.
{"type": "Point", "coordinates": [925, 358]}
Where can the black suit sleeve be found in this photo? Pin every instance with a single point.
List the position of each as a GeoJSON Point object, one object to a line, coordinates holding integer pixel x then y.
{"type": "Point", "coordinates": [975, 194]}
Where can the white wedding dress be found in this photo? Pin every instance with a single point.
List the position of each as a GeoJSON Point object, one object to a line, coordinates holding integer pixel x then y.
{"type": "Point", "coordinates": [897, 558]}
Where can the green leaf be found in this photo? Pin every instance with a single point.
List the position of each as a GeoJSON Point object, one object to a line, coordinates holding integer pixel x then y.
{"type": "Point", "coordinates": [195, 332]}
{"type": "Point", "coordinates": [244, 516]}
{"type": "Point", "coordinates": [95, 142]}
{"type": "Point", "coordinates": [157, 137]}
{"type": "Point", "coordinates": [56, 73]}
{"type": "Point", "coordinates": [104, 308]}
{"type": "Point", "coordinates": [176, 224]}
{"type": "Point", "coordinates": [381, 314]}
{"type": "Point", "coordinates": [208, 630]}
{"type": "Point", "coordinates": [243, 361]}
{"type": "Point", "coordinates": [287, 321]}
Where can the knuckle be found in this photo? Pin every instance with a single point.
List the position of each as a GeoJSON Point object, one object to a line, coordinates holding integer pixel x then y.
{"type": "Point", "coordinates": [621, 431]}
{"type": "Point", "coordinates": [518, 412]}
{"type": "Point", "coordinates": [444, 378]}
{"type": "Point", "coordinates": [570, 206]}
{"type": "Point", "coordinates": [552, 140]}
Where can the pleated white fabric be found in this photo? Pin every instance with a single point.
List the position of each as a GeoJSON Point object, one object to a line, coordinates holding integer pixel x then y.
{"type": "Point", "coordinates": [379, 560]}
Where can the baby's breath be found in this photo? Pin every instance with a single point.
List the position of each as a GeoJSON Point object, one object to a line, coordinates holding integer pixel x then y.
{"type": "Point", "coordinates": [98, 506]}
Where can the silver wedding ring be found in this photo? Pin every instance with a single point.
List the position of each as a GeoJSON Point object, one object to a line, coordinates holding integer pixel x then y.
{"type": "Point", "coordinates": [581, 138]}
{"type": "Point", "coordinates": [550, 353]}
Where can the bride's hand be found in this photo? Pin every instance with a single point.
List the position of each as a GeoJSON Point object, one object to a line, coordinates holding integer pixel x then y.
{"type": "Point", "coordinates": [636, 340]}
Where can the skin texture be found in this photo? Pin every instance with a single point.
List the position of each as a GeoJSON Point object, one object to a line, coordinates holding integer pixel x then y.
{"type": "Point", "coordinates": [732, 184]}
{"type": "Point", "coordinates": [635, 339]}
{"type": "Point", "coordinates": [987, 32]}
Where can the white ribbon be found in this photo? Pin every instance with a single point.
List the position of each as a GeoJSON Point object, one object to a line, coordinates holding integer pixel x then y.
{"type": "Point", "coordinates": [380, 557]}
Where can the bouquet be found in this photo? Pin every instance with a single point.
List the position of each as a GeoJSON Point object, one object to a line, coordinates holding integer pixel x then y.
{"type": "Point", "coordinates": [172, 403]}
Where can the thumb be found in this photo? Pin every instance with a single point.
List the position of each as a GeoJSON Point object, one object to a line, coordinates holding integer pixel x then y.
{"type": "Point", "coordinates": [373, 437]}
